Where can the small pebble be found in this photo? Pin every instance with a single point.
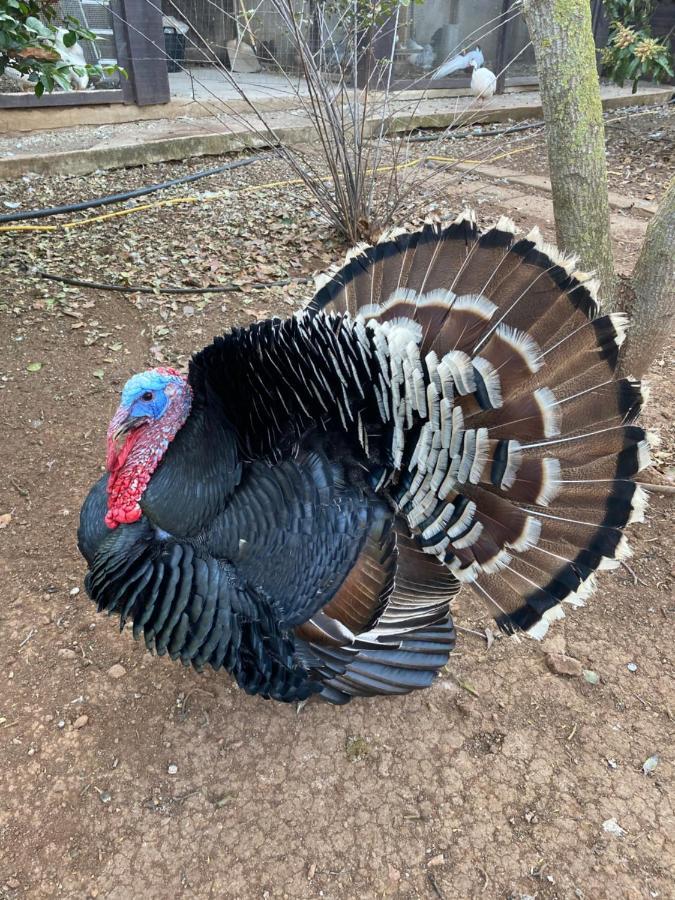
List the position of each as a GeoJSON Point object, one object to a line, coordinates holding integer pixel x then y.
{"type": "Point", "coordinates": [74, 591]}
{"type": "Point", "coordinates": [105, 797]}
{"type": "Point", "coordinates": [173, 769]}
{"type": "Point", "coordinates": [650, 764]}
{"type": "Point", "coordinates": [611, 826]}
{"type": "Point", "coordinates": [436, 860]}
{"type": "Point", "coordinates": [80, 722]}
{"type": "Point", "coordinates": [117, 671]}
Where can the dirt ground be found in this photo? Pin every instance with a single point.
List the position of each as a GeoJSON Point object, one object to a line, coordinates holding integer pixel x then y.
{"type": "Point", "coordinates": [640, 149]}
{"type": "Point", "coordinates": [504, 780]}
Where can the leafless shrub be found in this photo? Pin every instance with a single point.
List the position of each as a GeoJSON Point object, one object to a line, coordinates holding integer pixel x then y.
{"type": "Point", "coordinates": [337, 63]}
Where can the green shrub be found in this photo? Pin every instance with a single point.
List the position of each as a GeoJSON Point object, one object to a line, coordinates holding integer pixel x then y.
{"type": "Point", "coordinates": [632, 53]}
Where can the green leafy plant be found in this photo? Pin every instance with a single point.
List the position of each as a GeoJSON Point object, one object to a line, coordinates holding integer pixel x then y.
{"type": "Point", "coordinates": [31, 35]}
{"type": "Point", "coordinates": [632, 53]}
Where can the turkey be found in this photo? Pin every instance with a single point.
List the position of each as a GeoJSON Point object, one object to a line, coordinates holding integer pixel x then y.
{"type": "Point", "coordinates": [301, 507]}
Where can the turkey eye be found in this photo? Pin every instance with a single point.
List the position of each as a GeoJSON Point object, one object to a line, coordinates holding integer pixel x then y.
{"type": "Point", "coordinates": [147, 396]}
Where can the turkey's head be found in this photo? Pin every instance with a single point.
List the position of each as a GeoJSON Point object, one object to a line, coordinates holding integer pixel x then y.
{"type": "Point", "coordinates": [153, 407]}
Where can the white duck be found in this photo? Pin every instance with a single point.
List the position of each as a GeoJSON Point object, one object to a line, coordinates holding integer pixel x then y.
{"type": "Point", "coordinates": [483, 81]}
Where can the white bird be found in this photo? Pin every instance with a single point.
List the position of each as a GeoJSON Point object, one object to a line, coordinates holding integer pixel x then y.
{"type": "Point", "coordinates": [422, 57]}
{"type": "Point", "coordinates": [459, 62]}
{"type": "Point", "coordinates": [74, 56]}
{"type": "Point", "coordinates": [483, 82]}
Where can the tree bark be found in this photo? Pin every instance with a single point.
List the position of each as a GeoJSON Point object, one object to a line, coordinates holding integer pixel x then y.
{"type": "Point", "coordinates": [653, 281]}
{"type": "Point", "coordinates": [562, 35]}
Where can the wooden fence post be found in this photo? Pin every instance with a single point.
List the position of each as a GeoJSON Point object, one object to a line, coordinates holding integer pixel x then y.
{"type": "Point", "coordinates": [501, 47]}
{"type": "Point", "coordinates": [139, 37]}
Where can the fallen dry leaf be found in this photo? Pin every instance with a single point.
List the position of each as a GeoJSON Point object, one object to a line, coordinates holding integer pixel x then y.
{"type": "Point", "coordinates": [43, 53]}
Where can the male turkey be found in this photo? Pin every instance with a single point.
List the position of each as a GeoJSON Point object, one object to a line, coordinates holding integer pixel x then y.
{"type": "Point", "coordinates": [302, 506]}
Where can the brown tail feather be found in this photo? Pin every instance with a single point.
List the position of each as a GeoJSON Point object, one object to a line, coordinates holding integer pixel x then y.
{"type": "Point", "coordinates": [515, 467]}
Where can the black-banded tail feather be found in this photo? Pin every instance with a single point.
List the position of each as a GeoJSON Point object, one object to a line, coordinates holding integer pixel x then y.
{"type": "Point", "coordinates": [512, 442]}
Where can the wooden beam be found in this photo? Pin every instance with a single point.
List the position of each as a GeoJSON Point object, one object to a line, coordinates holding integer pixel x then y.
{"type": "Point", "coordinates": [122, 49]}
{"type": "Point", "coordinates": [501, 46]}
{"type": "Point", "coordinates": [457, 83]}
{"type": "Point", "coordinates": [60, 98]}
{"type": "Point", "coordinates": [140, 51]}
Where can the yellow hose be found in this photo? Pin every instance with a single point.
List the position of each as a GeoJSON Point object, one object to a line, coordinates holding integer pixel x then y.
{"type": "Point", "coordinates": [157, 204]}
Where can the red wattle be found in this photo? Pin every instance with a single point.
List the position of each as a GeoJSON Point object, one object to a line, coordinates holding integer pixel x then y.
{"type": "Point", "coordinates": [116, 455]}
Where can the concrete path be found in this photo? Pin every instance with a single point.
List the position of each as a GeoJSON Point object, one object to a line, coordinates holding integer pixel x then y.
{"type": "Point", "coordinates": [207, 84]}
{"type": "Point", "coordinates": [230, 126]}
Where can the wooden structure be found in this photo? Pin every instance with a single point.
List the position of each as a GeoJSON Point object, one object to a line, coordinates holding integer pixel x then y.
{"type": "Point", "coordinates": [138, 46]}
{"type": "Point", "coordinates": [139, 42]}
{"type": "Point", "coordinates": [139, 37]}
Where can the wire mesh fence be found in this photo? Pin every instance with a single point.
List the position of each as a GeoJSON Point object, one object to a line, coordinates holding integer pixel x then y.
{"type": "Point", "coordinates": [423, 35]}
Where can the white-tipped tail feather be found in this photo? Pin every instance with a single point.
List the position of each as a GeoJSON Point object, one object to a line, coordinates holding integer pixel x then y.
{"type": "Point", "coordinates": [512, 443]}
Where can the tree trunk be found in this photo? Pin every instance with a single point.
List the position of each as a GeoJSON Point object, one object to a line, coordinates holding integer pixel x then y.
{"type": "Point", "coordinates": [653, 282]}
{"type": "Point", "coordinates": [562, 35]}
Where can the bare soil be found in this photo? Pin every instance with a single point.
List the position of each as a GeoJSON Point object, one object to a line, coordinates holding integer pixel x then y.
{"type": "Point", "coordinates": [640, 150]}
{"type": "Point", "coordinates": [498, 782]}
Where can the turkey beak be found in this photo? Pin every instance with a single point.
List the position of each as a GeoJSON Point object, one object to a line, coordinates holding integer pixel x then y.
{"type": "Point", "coordinates": [121, 425]}
{"type": "Point", "coordinates": [129, 423]}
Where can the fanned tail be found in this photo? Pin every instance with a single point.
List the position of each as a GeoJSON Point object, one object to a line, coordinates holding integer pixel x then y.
{"type": "Point", "coordinates": [513, 446]}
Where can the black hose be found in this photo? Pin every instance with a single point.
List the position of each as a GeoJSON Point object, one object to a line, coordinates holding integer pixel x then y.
{"type": "Point", "coordinates": [418, 138]}
{"type": "Point", "coordinates": [169, 289]}
{"type": "Point", "coordinates": [127, 195]}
